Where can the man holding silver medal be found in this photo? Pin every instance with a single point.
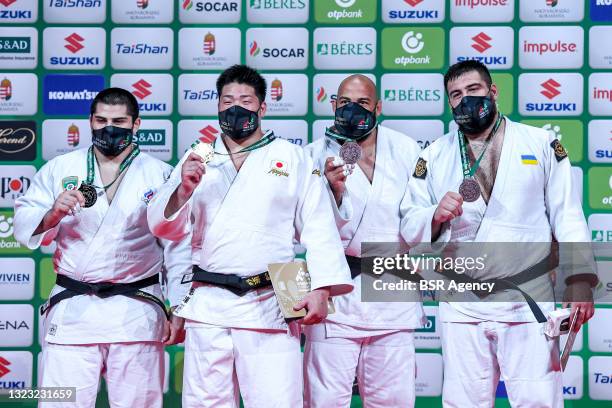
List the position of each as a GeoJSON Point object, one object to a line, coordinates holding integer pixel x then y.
{"type": "Point", "coordinates": [105, 315]}
{"type": "Point", "coordinates": [367, 167]}
{"type": "Point", "coordinates": [495, 180]}
{"type": "Point", "coordinates": [246, 199]}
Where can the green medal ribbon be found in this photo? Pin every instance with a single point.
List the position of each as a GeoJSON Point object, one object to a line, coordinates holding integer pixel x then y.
{"type": "Point", "coordinates": [122, 167]}
{"type": "Point", "coordinates": [266, 139]}
{"type": "Point", "coordinates": [337, 137]}
{"type": "Point", "coordinates": [469, 171]}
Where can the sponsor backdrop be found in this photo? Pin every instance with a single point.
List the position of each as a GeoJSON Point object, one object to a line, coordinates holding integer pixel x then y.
{"type": "Point", "coordinates": [552, 60]}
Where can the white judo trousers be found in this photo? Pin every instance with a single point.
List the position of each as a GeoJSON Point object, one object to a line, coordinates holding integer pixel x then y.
{"type": "Point", "coordinates": [476, 355]}
{"type": "Point", "coordinates": [370, 340]}
{"type": "Point", "coordinates": [266, 364]}
{"type": "Point", "coordinates": [384, 364]}
{"type": "Point", "coordinates": [530, 202]}
{"type": "Point", "coordinates": [243, 221]}
{"type": "Point", "coordinates": [121, 364]}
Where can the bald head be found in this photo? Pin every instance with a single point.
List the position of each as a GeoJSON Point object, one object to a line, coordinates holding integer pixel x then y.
{"type": "Point", "coordinates": [359, 89]}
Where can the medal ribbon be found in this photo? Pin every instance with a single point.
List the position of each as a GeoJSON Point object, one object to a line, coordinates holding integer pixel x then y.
{"type": "Point", "coordinates": [469, 171]}
{"type": "Point", "coordinates": [337, 137]}
{"type": "Point", "coordinates": [267, 138]}
{"type": "Point", "coordinates": [122, 167]}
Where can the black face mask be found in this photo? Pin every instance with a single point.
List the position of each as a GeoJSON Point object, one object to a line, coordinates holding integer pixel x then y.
{"type": "Point", "coordinates": [238, 122]}
{"type": "Point", "coordinates": [353, 121]}
{"type": "Point", "coordinates": [474, 114]}
{"type": "Point", "coordinates": [111, 140]}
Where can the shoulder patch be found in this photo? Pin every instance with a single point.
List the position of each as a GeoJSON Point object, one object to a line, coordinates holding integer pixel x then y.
{"type": "Point", "coordinates": [317, 172]}
{"type": "Point", "coordinates": [560, 152]}
{"type": "Point", "coordinates": [420, 171]}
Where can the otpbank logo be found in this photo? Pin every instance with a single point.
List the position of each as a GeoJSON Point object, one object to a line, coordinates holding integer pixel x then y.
{"type": "Point", "coordinates": [412, 48]}
{"type": "Point", "coordinates": [345, 11]}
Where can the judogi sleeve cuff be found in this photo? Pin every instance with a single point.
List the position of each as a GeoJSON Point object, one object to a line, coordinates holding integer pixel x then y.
{"type": "Point", "coordinates": [173, 228]}
{"type": "Point", "coordinates": [29, 222]}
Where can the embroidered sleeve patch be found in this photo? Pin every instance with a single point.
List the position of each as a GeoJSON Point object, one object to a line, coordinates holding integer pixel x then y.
{"type": "Point", "coordinates": [420, 171]}
{"type": "Point", "coordinates": [560, 152]}
{"type": "Point", "coordinates": [317, 172]}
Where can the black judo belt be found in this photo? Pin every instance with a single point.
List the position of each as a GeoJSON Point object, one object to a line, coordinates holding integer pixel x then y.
{"type": "Point", "coordinates": [103, 290]}
{"type": "Point", "coordinates": [236, 284]}
{"type": "Point", "coordinates": [510, 283]}
{"type": "Point", "coordinates": [355, 265]}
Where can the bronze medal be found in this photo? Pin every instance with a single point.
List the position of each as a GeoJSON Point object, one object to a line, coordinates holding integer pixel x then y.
{"type": "Point", "coordinates": [469, 190]}
{"type": "Point", "coordinates": [89, 193]}
{"type": "Point", "coordinates": [350, 152]}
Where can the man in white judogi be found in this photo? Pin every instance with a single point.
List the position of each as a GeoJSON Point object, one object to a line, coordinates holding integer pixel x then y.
{"type": "Point", "coordinates": [245, 208]}
{"type": "Point", "coordinates": [103, 240]}
{"type": "Point", "coordinates": [369, 339]}
{"type": "Point", "coordinates": [523, 193]}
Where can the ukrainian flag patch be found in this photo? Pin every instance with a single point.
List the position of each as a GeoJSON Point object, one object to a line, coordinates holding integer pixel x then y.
{"type": "Point", "coordinates": [529, 159]}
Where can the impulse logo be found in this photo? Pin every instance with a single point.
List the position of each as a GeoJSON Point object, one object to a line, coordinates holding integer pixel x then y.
{"type": "Point", "coordinates": [321, 95]}
{"type": "Point", "coordinates": [141, 89]}
{"type": "Point", "coordinates": [602, 94]}
{"type": "Point", "coordinates": [475, 3]}
{"type": "Point", "coordinates": [209, 134]}
{"type": "Point", "coordinates": [547, 47]}
{"type": "Point", "coordinates": [6, 90]}
{"type": "Point", "coordinates": [73, 136]}
{"type": "Point", "coordinates": [13, 14]}
{"type": "Point", "coordinates": [276, 90]}
{"type": "Point", "coordinates": [74, 43]}
{"type": "Point", "coordinates": [209, 44]}
{"type": "Point", "coordinates": [550, 89]}
{"type": "Point", "coordinates": [481, 42]}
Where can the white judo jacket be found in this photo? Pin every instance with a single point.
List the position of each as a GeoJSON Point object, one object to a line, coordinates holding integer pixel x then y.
{"type": "Point", "coordinates": [103, 243]}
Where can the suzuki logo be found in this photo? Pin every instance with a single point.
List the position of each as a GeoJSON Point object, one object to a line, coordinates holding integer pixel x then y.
{"type": "Point", "coordinates": [7, 3]}
{"type": "Point", "coordinates": [550, 88]}
{"type": "Point", "coordinates": [413, 2]}
{"type": "Point", "coordinates": [209, 134]}
{"type": "Point", "coordinates": [141, 89]}
{"type": "Point", "coordinates": [74, 43]}
{"type": "Point", "coordinates": [481, 42]}
{"type": "Point", "coordinates": [4, 370]}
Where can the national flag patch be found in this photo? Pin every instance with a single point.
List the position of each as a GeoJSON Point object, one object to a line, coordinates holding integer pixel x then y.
{"type": "Point", "coordinates": [529, 159]}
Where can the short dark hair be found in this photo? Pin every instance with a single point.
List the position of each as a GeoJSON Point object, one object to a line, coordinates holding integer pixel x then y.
{"type": "Point", "coordinates": [243, 74]}
{"type": "Point", "coordinates": [463, 67]}
{"type": "Point", "coordinates": [116, 96]}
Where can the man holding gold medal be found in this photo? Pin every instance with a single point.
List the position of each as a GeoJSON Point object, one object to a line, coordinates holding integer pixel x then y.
{"type": "Point", "coordinates": [105, 315]}
{"type": "Point", "coordinates": [494, 180]}
{"type": "Point", "coordinates": [245, 204]}
{"type": "Point", "coordinates": [366, 169]}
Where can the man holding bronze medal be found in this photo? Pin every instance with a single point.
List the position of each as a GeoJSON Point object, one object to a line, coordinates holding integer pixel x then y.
{"type": "Point", "coordinates": [366, 167]}
{"type": "Point", "coordinates": [106, 314]}
{"type": "Point", "coordinates": [495, 180]}
{"type": "Point", "coordinates": [246, 199]}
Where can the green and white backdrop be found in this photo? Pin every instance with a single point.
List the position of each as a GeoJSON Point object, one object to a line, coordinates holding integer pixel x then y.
{"type": "Point", "coordinates": [552, 60]}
